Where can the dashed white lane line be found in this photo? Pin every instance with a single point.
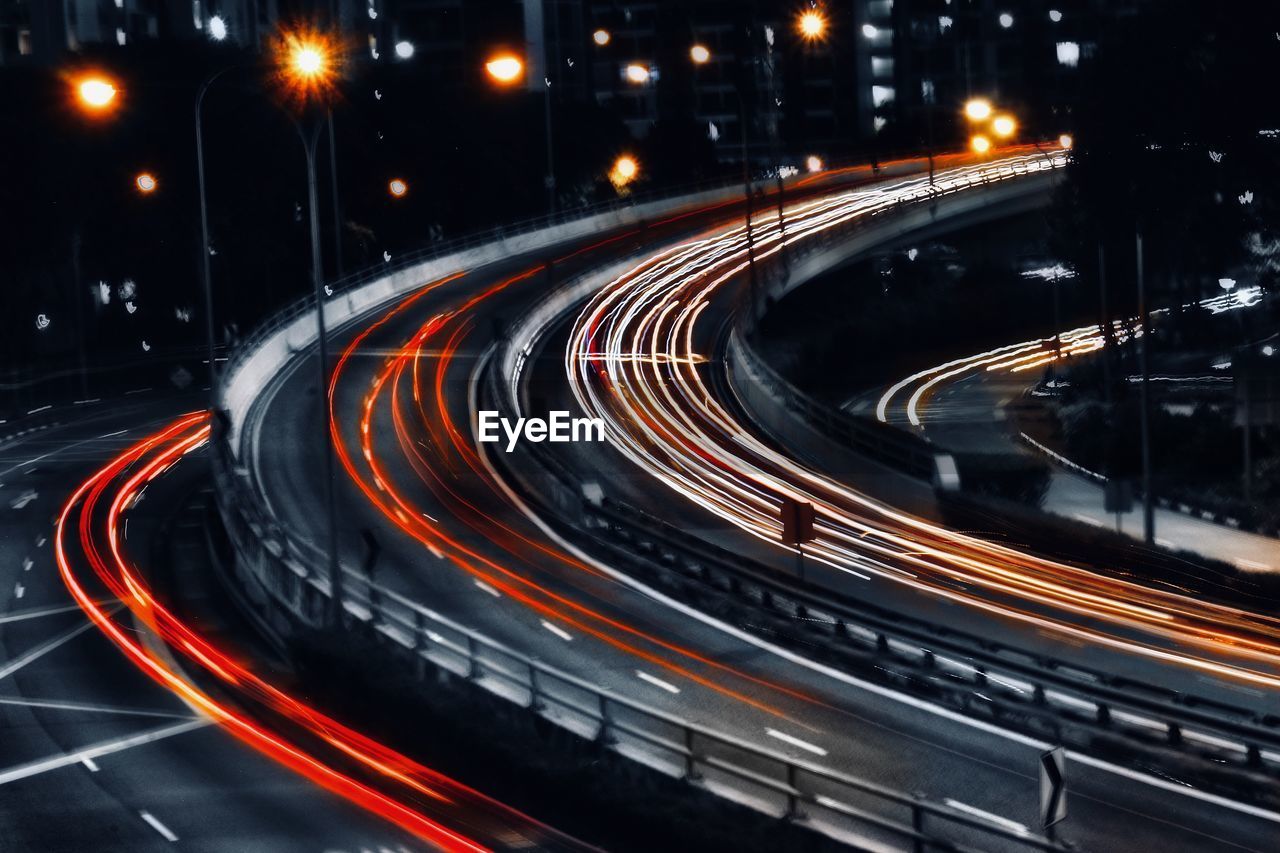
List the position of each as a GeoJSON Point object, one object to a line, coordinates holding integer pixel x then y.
{"type": "Point", "coordinates": [90, 764]}
{"type": "Point", "coordinates": [19, 590]}
{"type": "Point", "coordinates": [27, 563]}
{"type": "Point", "coordinates": [23, 500]}
{"type": "Point", "coordinates": [987, 816]}
{"type": "Point", "coordinates": [484, 586]}
{"type": "Point", "coordinates": [44, 765]}
{"type": "Point", "coordinates": [152, 821]}
{"type": "Point", "coordinates": [657, 682]}
{"type": "Point", "coordinates": [439, 555]}
{"type": "Point", "coordinates": [795, 741]}
{"type": "Point", "coordinates": [557, 630]}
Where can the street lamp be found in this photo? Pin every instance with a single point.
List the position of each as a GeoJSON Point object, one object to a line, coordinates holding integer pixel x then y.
{"type": "Point", "coordinates": [146, 183]}
{"type": "Point", "coordinates": [96, 93]}
{"type": "Point", "coordinates": [700, 54]}
{"type": "Point", "coordinates": [398, 188]}
{"type": "Point", "coordinates": [637, 73]}
{"type": "Point", "coordinates": [1066, 141]}
{"type": "Point", "coordinates": [624, 171]}
{"type": "Point", "coordinates": [404, 49]}
{"type": "Point", "coordinates": [1004, 126]}
{"type": "Point", "coordinates": [217, 28]}
{"type": "Point", "coordinates": [813, 163]}
{"type": "Point", "coordinates": [601, 37]}
{"type": "Point", "coordinates": [505, 69]}
{"type": "Point", "coordinates": [979, 144]}
{"type": "Point", "coordinates": [812, 24]}
{"type": "Point", "coordinates": [977, 109]}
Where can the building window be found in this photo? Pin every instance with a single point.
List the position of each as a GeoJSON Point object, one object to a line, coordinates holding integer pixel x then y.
{"type": "Point", "coordinates": [881, 95]}
{"type": "Point", "coordinates": [1069, 53]}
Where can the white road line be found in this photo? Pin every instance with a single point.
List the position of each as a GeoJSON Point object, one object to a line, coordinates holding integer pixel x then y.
{"type": "Point", "coordinates": [795, 741]}
{"type": "Point", "coordinates": [557, 630]}
{"type": "Point", "coordinates": [114, 434]}
{"type": "Point", "coordinates": [439, 555]}
{"type": "Point", "coordinates": [484, 586]}
{"type": "Point", "coordinates": [986, 815]}
{"type": "Point", "coordinates": [90, 764]}
{"type": "Point", "coordinates": [657, 682]}
{"type": "Point", "coordinates": [154, 823]}
{"type": "Point", "coordinates": [63, 705]}
{"type": "Point", "coordinates": [23, 500]}
{"type": "Point", "coordinates": [42, 650]}
{"type": "Point", "coordinates": [23, 615]}
{"type": "Point", "coordinates": [44, 765]}
{"type": "Point", "coordinates": [19, 590]}
{"type": "Point", "coordinates": [27, 563]}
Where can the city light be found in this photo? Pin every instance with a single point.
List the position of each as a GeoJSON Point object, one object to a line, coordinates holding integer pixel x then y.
{"type": "Point", "coordinates": [145, 182]}
{"type": "Point", "coordinates": [624, 171]}
{"type": "Point", "coordinates": [307, 63]}
{"type": "Point", "coordinates": [217, 28]}
{"type": "Point", "coordinates": [813, 163]}
{"type": "Point", "coordinates": [1066, 141]}
{"type": "Point", "coordinates": [636, 73]}
{"type": "Point", "coordinates": [96, 93]}
{"type": "Point", "coordinates": [979, 144]}
{"type": "Point", "coordinates": [1055, 15]}
{"type": "Point", "coordinates": [505, 68]}
{"type": "Point", "coordinates": [398, 187]}
{"type": "Point", "coordinates": [404, 49]}
{"type": "Point", "coordinates": [1006, 20]}
{"type": "Point", "coordinates": [700, 54]}
{"type": "Point", "coordinates": [870, 31]}
{"type": "Point", "coordinates": [812, 25]}
{"type": "Point", "coordinates": [1004, 126]}
{"type": "Point", "coordinates": [601, 37]}
{"type": "Point", "coordinates": [977, 109]}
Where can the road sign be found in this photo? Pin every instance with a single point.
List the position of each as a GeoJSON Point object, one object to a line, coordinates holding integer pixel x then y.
{"type": "Point", "coordinates": [1053, 786]}
{"type": "Point", "coordinates": [797, 521]}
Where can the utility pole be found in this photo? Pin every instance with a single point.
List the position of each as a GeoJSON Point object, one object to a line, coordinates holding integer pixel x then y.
{"type": "Point", "coordinates": [1144, 361]}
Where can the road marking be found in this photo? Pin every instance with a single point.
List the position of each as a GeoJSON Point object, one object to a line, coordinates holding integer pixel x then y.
{"type": "Point", "coordinates": [657, 682]}
{"type": "Point", "coordinates": [795, 741]}
{"type": "Point", "coordinates": [40, 651]}
{"type": "Point", "coordinates": [27, 563]}
{"type": "Point", "coordinates": [41, 409]}
{"type": "Point", "coordinates": [40, 542]}
{"type": "Point", "coordinates": [23, 615]}
{"type": "Point", "coordinates": [90, 763]}
{"type": "Point", "coordinates": [986, 815]}
{"type": "Point", "coordinates": [439, 555]}
{"type": "Point", "coordinates": [557, 630]}
{"type": "Point", "coordinates": [484, 586]}
{"type": "Point", "coordinates": [19, 590]}
{"type": "Point", "coordinates": [62, 705]}
{"type": "Point", "coordinates": [20, 502]}
{"type": "Point", "coordinates": [154, 823]}
{"type": "Point", "coordinates": [114, 434]}
{"type": "Point", "coordinates": [34, 768]}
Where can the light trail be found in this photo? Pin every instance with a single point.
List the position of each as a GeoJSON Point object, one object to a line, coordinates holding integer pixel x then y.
{"type": "Point", "coordinates": [629, 362]}
{"type": "Point", "coordinates": [276, 724]}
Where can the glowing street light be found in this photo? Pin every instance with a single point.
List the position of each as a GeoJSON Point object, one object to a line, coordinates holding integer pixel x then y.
{"type": "Point", "coordinates": [96, 93]}
{"type": "Point", "coordinates": [1066, 141]}
{"type": "Point", "coordinates": [404, 49]}
{"type": "Point", "coordinates": [977, 109]}
{"type": "Point", "coordinates": [505, 68]}
{"type": "Point", "coordinates": [813, 163]}
{"type": "Point", "coordinates": [398, 188]}
{"type": "Point", "coordinates": [217, 28]}
{"type": "Point", "coordinates": [624, 171]}
{"type": "Point", "coordinates": [1004, 126]}
{"type": "Point", "coordinates": [637, 73]}
{"type": "Point", "coordinates": [601, 37]}
{"type": "Point", "coordinates": [146, 183]}
{"type": "Point", "coordinates": [307, 63]}
{"type": "Point", "coordinates": [979, 144]}
{"type": "Point", "coordinates": [812, 25]}
{"type": "Point", "coordinates": [700, 54]}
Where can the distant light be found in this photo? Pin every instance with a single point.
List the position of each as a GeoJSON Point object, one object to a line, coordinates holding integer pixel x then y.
{"type": "Point", "coordinates": [96, 93]}
{"type": "Point", "coordinates": [1066, 141]}
{"type": "Point", "coordinates": [624, 171]}
{"type": "Point", "coordinates": [1004, 126]}
{"type": "Point", "coordinates": [1055, 15]}
{"type": "Point", "coordinates": [700, 54]}
{"type": "Point", "coordinates": [397, 187]}
{"type": "Point", "coordinates": [813, 163]}
{"type": "Point", "coordinates": [601, 37]}
{"type": "Point", "coordinates": [308, 60]}
{"type": "Point", "coordinates": [1068, 53]}
{"type": "Point", "coordinates": [637, 73]}
{"type": "Point", "coordinates": [980, 144]}
{"type": "Point", "coordinates": [42, 321]}
{"type": "Point", "coordinates": [1268, 350]}
{"type": "Point", "coordinates": [1006, 20]}
{"type": "Point", "coordinates": [870, 31]}
{"type": "Point", "coordinates": [404, 49]}
{"type": "Point", "coordinates": [146, 182]}
{"type": "Point", "coordinates": [217, 28]}
{"type": "Point", "coordinates": [505, 68]}
{"type": "Point", "coordinates": [812, 25]}
{"type": "Point", "coordinates": [977, 109]}
{"type": "Point", "coordinates": [1227, 284]}
{"type": "Point", "coordinates": [945, 22]}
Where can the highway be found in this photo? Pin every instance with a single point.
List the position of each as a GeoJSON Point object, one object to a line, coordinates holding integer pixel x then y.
{"type": "Point", "coordinates": [401, 406]}
{"type": "Point", "coordinates": [95, 755]}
